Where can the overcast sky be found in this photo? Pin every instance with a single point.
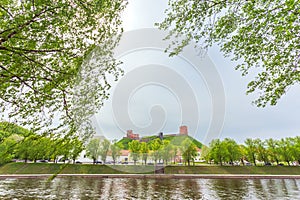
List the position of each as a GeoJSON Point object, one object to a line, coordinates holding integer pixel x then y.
{"type": "Point", "coordinates": [157, 106]}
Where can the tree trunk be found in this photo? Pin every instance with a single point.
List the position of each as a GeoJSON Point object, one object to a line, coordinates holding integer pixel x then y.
{"type": "Point", "coordinates": [253, 157]}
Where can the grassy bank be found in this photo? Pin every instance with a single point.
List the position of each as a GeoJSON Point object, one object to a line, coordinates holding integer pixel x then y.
{"type": "Point", "coordinates": [263, 170]}
{"type": "Point", "coordinates": [50, 168]}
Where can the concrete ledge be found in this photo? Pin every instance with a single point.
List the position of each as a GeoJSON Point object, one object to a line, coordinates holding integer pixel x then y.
{"type": "Point", "coordinates": [156, 176]}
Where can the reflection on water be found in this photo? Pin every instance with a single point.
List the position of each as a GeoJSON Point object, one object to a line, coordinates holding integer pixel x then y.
{"type": "Point", "coordinates": [229, 188]}
{"type": "Point", "coordinates": [130, 188]}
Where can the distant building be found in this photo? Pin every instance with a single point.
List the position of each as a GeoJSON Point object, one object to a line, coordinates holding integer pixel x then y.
{"type": "Point", "coordinates": [183, 130]}
{"type": "Point", "coordinates": [161, 135]}
{"type": "Point", "coordinates": [132, 135]}
{"type": "Point", "coordinates": [198, 156]}
{"type": "Point", "coordinates": [124, 156]}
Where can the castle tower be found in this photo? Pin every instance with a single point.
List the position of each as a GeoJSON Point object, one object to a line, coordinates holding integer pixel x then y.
{"type": "Point", "coordinates": [183, 130]}
{"type": "Point", "coordinates": [129, 133]}
{"type": "Point", "coordinates": [161, 135]}
{"type": "Point", "coordinates": [132, 135]}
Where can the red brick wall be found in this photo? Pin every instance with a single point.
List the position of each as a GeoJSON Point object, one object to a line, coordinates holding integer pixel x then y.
{"type": "Point", "coordinates": [183, 130]}
{"type": "Point", "coordinates": [131, 135]}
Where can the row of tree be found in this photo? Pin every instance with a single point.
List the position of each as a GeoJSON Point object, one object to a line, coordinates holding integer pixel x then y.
{"type": "Point", "coordinates": [254, 150]}
{"type": "Point", "coordinates": [101, 148]}
{"type": "Point", "coordinates": [162, 150]}
{"type": "Point", "coordinates": [159, 150]}
{"type": "Point", "coordinates": [19, 143]}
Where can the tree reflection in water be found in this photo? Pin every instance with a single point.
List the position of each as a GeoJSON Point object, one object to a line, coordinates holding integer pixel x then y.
{"type": "Point", "coordinates": [229, 188]}
{"type": "Point", "coordinates": [131, 188]}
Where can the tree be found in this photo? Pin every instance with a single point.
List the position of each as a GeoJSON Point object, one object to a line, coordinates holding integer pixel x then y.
{"type": "Point", "coordinates": [8, 128]}
{"type": "Point", "coordinates": [93, 149]}
{"type": "Point", "coordinates": [243, 150]}
{"type": "Point", "coordinates": [155, 147]}
{"type": "Point", "coordinates": [10, 137]}
{"type": "Point", "coordinates": [233, 152]}
{"type": "Point", "coordinates": [205, 154]}
{"type": "Point", "coordinates": [76, 147]}
{"type": "Point", "coordinates": [273, 151]}
{"type": "Point", "coordinates": [115, 149]}
{"type": "Point", "coordinates": [134, 147]}
{"type": "Point", "coordinates": [285, 150]}
{"type": "Point", "coordinates": [43, 147]}
{"type": "Point", "coordinates": [296, 148]}
{"type": "Point", "coordinates": [54, 58]}
{"type": "Point", "coordinates": [104, 148]}
{"type": "Point", "coordinates": [30, 148]}
{"type": "Point", "coordinates": [188, 150]}
{"type": "Point", "coordinates": [66, 149]}
{"type": "Point", "coordinates": [262, 34]}
{"type": "Point", "coordinates": [218, 151]}
{"type": "Point", "coordinates": [6, 149]}
{"type": "Point", "coordinates": [262, 153]}
{"type": "Point", "coordinates": [56, 148]}
{"type": "Point", "coordinates": [174, 152]}
{"type": "Point", "coordinates": [166, 151]}
{"type": "Point", "coordinates": [144, 149]}
{"type": "Point", "coordinates": [251, 150]}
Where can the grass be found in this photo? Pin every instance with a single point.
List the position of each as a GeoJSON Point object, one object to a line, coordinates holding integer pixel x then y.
{"type": "Point", "coordinates": [51, 168]}
{"type": "Point", "coordinates": [263, 170]}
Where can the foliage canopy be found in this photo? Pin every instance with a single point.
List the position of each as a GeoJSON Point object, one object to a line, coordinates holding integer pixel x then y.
{"type": "Point", "coordinates": [263, 34]}
{"type": "Point", "coordinates": [54, 59]}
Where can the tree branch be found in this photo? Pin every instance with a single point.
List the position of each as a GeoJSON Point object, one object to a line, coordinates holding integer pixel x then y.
{"type": "Point", "coordinates": [31, 50]}
{"type": "Point", "coordinates": [66, 105]}
{"type": "Point", "coordinates": [19, 78]}
{"type": "Point", "coordinates": [6, 11]}
{"type": "Point", "coordinates": [20, 27]}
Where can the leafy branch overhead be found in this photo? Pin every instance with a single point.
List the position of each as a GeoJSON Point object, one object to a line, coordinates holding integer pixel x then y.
{"type": "Point", "coordinates": [263, 34]}
{"type": "Point", "coordinates": [54, 58]}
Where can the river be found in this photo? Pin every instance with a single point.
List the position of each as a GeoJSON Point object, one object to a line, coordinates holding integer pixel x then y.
{"type": "Point", "coordinates": [130, 188]}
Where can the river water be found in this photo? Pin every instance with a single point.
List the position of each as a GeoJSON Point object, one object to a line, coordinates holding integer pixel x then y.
{"type": "Point", "coordinates": [130, 188]}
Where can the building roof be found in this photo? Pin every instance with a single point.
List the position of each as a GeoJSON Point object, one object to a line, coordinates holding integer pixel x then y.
{"type": "Point", "coordinates": [124, 152]}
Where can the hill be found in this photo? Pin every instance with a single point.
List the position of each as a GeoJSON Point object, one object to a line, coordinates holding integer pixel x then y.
{"type": "Point", "coordinates": [175, 140]}
{"type": "Point", "coordinates": [7, 129]}
{"type": "Point", "coordinates": [124, 143]}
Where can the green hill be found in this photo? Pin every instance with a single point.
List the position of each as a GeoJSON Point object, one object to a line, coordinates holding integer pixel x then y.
{"type": "Point", "coordinates": [7, 129]}
{"type": "Point", "coordinates": [175, 140]}
{"type": "Point", "coordinates": [124, 143]}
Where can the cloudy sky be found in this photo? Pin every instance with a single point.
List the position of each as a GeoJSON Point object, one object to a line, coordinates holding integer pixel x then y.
{"type": "Point", "coordinates": [158, 93]}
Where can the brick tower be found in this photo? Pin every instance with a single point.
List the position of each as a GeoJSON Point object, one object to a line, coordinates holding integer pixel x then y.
{"type": "Point", "coordinates": [183, 130]}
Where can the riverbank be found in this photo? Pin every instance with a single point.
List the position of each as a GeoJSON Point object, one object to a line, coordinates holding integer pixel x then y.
{"type": "Point", "coordinates": [154, 176]}
{"type": "Point", "coordinates": [45, 169]}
